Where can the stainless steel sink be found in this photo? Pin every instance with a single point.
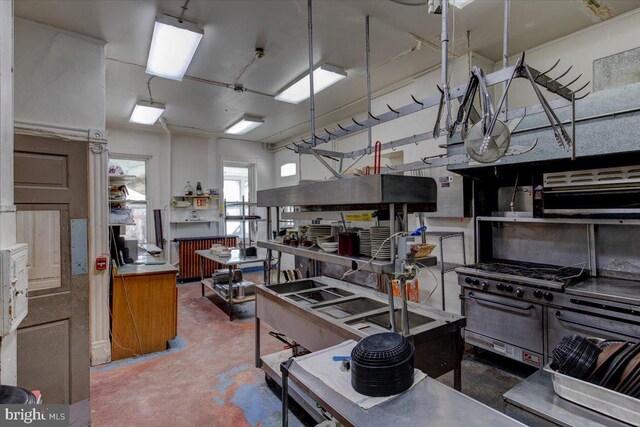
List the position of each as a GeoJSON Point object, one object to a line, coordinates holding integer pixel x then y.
{"type": "Point", "coordinates": [298, 286]}
{"type": "Point", "coordinates": [351, 307]}
{"type": "Point", "coordinates": [314, 296]}
{"type": "Point", "coordinates": [380, 322]}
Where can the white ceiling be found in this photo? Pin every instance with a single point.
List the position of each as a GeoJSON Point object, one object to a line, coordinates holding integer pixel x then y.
{"type": "Point", "coordinates": [234, 28]}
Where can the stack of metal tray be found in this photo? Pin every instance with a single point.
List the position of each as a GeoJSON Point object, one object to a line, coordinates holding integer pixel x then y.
{"type": "Point", "coordinates": [617, 405]}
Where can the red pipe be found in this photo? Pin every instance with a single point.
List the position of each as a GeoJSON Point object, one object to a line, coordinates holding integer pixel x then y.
{"type": "Point", "coordinates": [377, 159]}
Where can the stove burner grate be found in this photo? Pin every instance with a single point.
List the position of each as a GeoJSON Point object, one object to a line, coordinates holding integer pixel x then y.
{"type": "Point", "coordinates": [552, 273]}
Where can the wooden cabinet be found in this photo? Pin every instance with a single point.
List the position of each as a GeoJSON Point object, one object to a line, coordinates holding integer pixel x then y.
{"type": "Point", "coordinates": [144, 309]}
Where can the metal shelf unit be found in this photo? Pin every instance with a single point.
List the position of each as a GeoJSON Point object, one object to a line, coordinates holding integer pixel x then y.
{"type": "Point", "coordinates": [447, 267]}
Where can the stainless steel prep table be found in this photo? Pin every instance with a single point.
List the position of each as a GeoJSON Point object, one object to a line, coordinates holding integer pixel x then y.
{"type": "Point", "coordinates": [534, 402]}
{"type": "Point", "coordinates": [288, 308]}
{"type": "Point", "coordinates": [429, 403]}
{"type": "Point", "coordinates": [230, 261]}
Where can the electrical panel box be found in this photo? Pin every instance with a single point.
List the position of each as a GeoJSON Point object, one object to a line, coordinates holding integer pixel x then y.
{"type": "Point", "coordinates": [14, 277]}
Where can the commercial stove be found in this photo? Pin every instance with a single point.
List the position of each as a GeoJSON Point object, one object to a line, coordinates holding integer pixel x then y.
{"type": "Point", "coordinates": [522, 310]}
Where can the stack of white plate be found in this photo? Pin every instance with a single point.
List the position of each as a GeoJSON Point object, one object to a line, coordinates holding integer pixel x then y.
{"type": "Point", "coordinates": [378, 236]}
{"type": "Point", "coordinates": [330, 247]}
{"type": "Point", "coordinates": [319, 230]}
{"type": "Point", "coordinates": [364, 236]}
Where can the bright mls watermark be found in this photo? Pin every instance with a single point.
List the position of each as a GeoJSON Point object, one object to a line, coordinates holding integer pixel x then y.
{"type": "Point", "coordinates": [34, 415]}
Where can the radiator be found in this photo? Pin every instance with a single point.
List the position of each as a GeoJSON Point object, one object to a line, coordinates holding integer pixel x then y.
{"type": "Point", "coordinates": [190, 262]}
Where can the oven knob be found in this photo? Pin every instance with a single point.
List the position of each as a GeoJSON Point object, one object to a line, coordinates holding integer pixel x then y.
{"type": "Point", "coordinates": [475, 282]}
{"type": "Point", "coordinates": [519, 292]}
{"type": "Point", "coordinates": [537, 293]}
{"type": "Point", "coordinates": [467, 280]}
{"type": "Point", "coordinates": [500, 287]}
{"type": "Point", "coordinates": [485, 286]}
{"type": "Point", "coordinates": [548, 296]}
{"type": "Point", "coordinates": [508, 288]}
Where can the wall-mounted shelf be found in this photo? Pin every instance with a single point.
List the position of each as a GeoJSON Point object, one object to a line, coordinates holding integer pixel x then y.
{"type": "Point", "coordinates": [118, 225]}
{"type": "Point", "coordinates": [211, 196]}
{"type": "Point", "coordinates": [196, 221]}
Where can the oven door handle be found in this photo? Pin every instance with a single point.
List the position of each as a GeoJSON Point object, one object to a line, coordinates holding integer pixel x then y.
{"type": "Point", "coordinates": [586, 325]}
{"type": "Point", "coordinates": [518, 307]}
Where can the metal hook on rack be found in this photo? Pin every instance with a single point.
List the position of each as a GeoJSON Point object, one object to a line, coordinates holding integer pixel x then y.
{"type": "Point", "coordinates": [416, 101]}
{"type": "Point", "coordinates": [329, 133]}
{"type": "Point", "coordinates": [317, 137]}
{"type": "Point", "coordinates": [391, 109]}
{"type": "Point", "coordinates": [572, 81]}
{"type": "Point", "coordinates": [346, 130]}
{"type": "Point", "coordinates": [354, 121]}
{"type": "Point", "coordinates": [583, 86]}
{"type": "Point", "coordinates": [545, 73]}
{"type": "Point", "coordinates": [583, 96]}
{"type": "Point", "coordinates": [373, 117]}
{"type": "Point", "coordinates": [563, 74]}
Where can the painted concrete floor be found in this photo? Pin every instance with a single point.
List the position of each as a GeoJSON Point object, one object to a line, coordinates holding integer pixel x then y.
{"type": "Point", "coordinates": [208, 376]}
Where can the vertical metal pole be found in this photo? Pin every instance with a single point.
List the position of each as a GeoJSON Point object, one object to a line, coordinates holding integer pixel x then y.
{"type": "Point", "coordinates": [244, 242]}
{"type": "Point", "coordinates": [444, 37]}
{"type": "Point", "coordinates": [405, 217]}
{"type": "Point", "coordinates": [392, 230]}
{"type": "Point", "coordinates": [573, 126]}
{"type": "Point", "coordinates": [505, 54]}
{"type": "Point", "coordinates": [405, 309]}
{"type": "Point", "coordinates": [423, 233]}
{"type": "Point", "coordinates": [442, 272]}
{"type": "Point", "coordinates": [368, 69]}
{"type": "Point", "coordinates": [312, 103]}
{"type": "Point", "coordinates": [284, 370]}
{"type": "Point", "coordinates": [392, 310]}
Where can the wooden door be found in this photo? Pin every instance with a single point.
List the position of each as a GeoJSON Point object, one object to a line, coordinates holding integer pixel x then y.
{"type": "Point", "coordinates": [51, 200]}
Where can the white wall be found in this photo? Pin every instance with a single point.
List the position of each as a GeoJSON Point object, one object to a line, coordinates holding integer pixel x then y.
{"type": "Point", "coordinates": [60, 92]}
{"type": "Point", "coordinates": [8, 362]}
{"type": "Point", "coordinates": [60, 77]}
{"type": "Point", "coordinates": [180, 158]}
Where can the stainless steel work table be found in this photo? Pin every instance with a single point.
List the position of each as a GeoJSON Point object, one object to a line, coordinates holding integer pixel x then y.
{"type": "Point", "coordinates": [230, 261]}
{"type": "Point", "coordinates": [535, 403]}
{"type": "Point", "coordinates": [429, 403]}
{"type": "Point", "coordinates": [610, 289]}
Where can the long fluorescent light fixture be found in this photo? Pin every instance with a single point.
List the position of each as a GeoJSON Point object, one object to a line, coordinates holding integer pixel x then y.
{"type": "Point", "coordinates": [172, 47]}
{"type": "Point", "coordinates": [460, 3]}
{"type": "Point", "coordinates": [324, 75]}
{"type": "Point", "coordinates": [146, 112]}
{"type": "Point", "coordinates": [244, 125]}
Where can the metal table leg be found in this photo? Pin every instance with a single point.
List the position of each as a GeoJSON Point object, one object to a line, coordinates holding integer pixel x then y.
{"type": "Point", "coordinates": [457, 378]}
{"type": "Point", "coordinates": [279, 266]}
{"type": "Point", "coordinates": [284, 369]}
{"type": "Point", "coordinates": [258, 364]}
{"type": "Point", "coordinates": [442, 272]}
{"type": "Point", "coordinates": [230, 295]}
{"type": "Point", "coordinates": [202, 274]}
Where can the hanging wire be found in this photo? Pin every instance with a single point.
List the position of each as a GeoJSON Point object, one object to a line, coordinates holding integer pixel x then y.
{"type": "Point", "coordinates": [149, 88]}
{"type": "Point", "coordinates": [184, 9]}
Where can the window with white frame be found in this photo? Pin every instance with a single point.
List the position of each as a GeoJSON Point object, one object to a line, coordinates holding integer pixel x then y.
{"type": "Point", "coordinates": [137, 195]}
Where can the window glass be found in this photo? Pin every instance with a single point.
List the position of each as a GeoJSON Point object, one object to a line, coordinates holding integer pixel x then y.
{"type": "Point", "coordinates": [288, 169]}
{"type": "Point", "coordinates": [136, 197]}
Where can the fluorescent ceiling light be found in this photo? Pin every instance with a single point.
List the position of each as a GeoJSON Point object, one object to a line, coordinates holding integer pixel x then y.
{"type": "Point", "coordinates": [460, 3]}
{"type": "Point", "coordinates": [172, 47]}
{"type": "Point", "coordinates": [146, 112]}
{"type": "Point", "coordinates": [244, 125]}
{"type": "Point", "coordinates": [324, 76]}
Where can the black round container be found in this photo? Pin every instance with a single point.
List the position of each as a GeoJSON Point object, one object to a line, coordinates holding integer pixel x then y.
{"type": "Point", "coordinates": [382, 365]}
{"type": "Point", "coordinates": [16, 395]}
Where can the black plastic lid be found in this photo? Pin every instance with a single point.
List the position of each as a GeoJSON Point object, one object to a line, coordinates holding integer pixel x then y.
{"type": "Point", "coordinates": [15, 395]}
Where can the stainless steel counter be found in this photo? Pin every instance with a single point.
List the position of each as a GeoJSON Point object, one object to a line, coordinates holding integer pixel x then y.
{"type": "Point", "coordinates": [429, 403]}
{"type": "Point", "coordinates": [616, 290]}
{"type": "Point", "coordinates": [534, 402]}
